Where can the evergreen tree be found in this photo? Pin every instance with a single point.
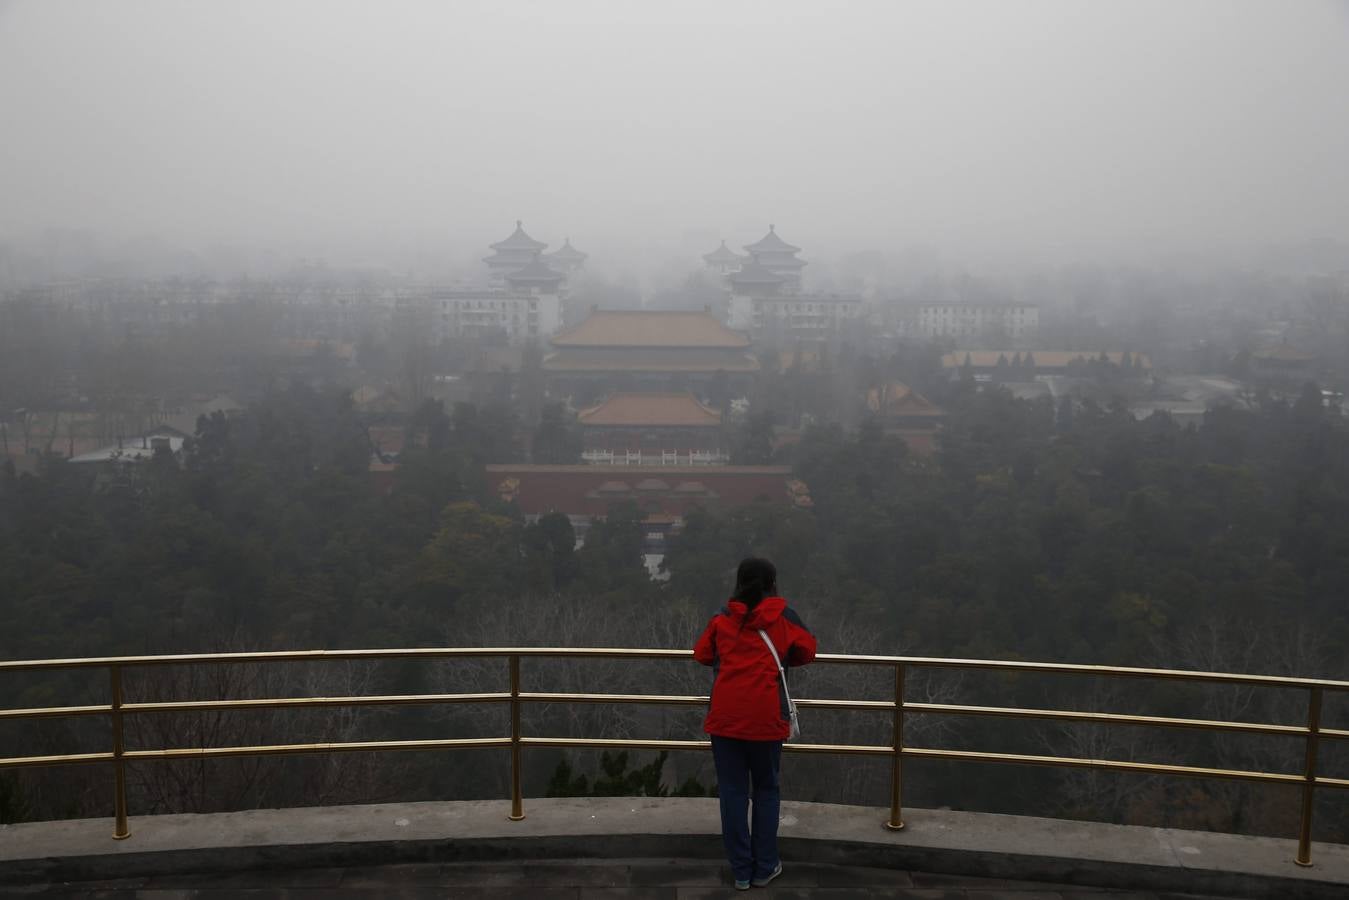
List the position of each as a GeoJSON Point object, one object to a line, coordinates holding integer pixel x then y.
{"type": "Point", "coordinates": [754, 446]}
{"type": "Point", "coordinates": [555, 441]}
{"type": "Point", "coordinates": [1000, 369]}
{"type": "Point", "coordinates": [619, 781]}
{"type": "Point", "coordinates": [1309, 406]}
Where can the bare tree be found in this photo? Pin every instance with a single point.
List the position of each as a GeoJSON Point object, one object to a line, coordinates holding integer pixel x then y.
{"type": "Point", "coordinates": [201, 785]}
{"type": "Point", "coordinates": [417, 355]}
{"type": "Point", "coordinates": [359, 777]}
{"type": "Point", "coordinates": [844, 780]}
{"type": "Point", "coordinates": [1094, 793]}
{"type": "Point", "coordinates": [543, 621]}
{"type": "Point", "coordinates": [1228, 645]}
{"type": "Point", "coordinates": [210, 785]}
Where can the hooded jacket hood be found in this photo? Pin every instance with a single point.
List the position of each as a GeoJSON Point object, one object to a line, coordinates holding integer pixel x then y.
{"type": "Point", "coordinates": [765, 612]}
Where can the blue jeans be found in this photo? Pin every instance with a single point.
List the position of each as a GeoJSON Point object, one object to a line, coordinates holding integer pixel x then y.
{"type": "Point", "coordinates": [752, 853]}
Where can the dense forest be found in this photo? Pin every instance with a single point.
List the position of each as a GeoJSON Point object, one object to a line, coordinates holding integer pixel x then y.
{"type": "Point", "coordinates": [1069, 532]}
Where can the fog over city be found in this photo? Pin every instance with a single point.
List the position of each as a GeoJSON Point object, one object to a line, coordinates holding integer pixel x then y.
{"type": "Point", "coordinates": [1004, 344]}
{"type": "Point", "coordinates": [365, 131]}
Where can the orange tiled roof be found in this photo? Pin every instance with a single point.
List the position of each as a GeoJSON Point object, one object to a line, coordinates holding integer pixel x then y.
{"type": "Point", "coordinates": [658, 359]}
{"type": "Point", "coordinates": [650, 328]}
{"type": "Point", "coordinates": [897, 399]}
{"type": "Point", "coordinates": [670, 410]}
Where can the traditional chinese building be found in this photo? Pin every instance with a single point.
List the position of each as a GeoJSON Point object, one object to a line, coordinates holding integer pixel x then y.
{"type": "Point", "coordinates": [664, 429]}
{"type": "Point", "coordinates": [537, 278]}
{"type": "Point", "coordinates": [644, 350]}
{"type": "Point", "coordinates": [566, 259]}
{"type": "Point", "coordinates": [907, 414]}
{"type": "Point", "coordinates": [724, 260]}
{"type": "Point", "coordinates": [754, 280]}
{"type": "Point", "coordinates": [767, 300]}
{"type": "Point", "coordinates": [512, 254]}
{"type": "Point", "coordinates": [779, 257]}
{"type": "Point", "coordinates": [521, 304]}
{"type": "Point", "coordinates": [663, 495]}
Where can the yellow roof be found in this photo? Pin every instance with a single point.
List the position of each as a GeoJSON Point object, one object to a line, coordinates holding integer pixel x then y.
{"type": "Point", "coordinates": [677, 410]}
{"type": "Point", "coordinates": [896, 399]}
{"type": "Point", "coordinates": [650, 328]}
{"type": "Point", "coordinates": [660, 359]}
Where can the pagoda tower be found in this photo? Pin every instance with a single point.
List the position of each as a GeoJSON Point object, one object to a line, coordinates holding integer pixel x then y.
{"type": "Point", "coordinates": [779, 257]}
{"type": "Point", "coordinates": [566, 259]}
{"type": "Point", "coordinates": [512, 254]}
{"type": "Point", "coordinates": [724, 260]}
{"type": "Point", "coordinates": [756, 280]}
{"type": "Point", "coordinates": [535, 278]}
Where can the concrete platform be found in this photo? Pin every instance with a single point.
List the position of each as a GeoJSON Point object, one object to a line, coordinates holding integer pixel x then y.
{"type": "Point", "coordinates": [617, 879]}
{"type": "Point", "coordinates": [1065, 856]}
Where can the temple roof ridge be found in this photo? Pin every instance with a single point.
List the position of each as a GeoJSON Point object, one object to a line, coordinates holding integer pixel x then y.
{"type": "Point", "coordinates": [567, 252]}
{"type": "Point", "coordinates": [518, 240]}
{"type": "Point", "coordinates": [650, 329]}
{"type": "Point", "coordinates": [672, 408]}
{"type": "Point", "coordinates": [723, 254]}
{"type": "Point", "coordinates": [772, 243]}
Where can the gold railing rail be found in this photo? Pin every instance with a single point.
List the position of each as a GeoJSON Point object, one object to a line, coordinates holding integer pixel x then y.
{"type": "Point", "coordinates": [117, 709]}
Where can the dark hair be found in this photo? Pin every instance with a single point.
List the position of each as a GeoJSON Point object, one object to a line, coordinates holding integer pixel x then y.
{"type": "Point", "coordinates": [755, 579]}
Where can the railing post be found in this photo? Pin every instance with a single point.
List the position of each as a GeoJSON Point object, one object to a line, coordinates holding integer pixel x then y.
{"type": "Point", "coordinates": [895, 823]}
{"type": "Point", "coordinates": [120, 830]}
{"type": "Point", "coordinates": [517, 799]}
{"type": "Point", "coordinates": [1304, 835]}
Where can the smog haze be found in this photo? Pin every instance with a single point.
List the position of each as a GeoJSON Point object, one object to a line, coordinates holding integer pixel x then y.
{"type": "Point", "coordinates": [358, 130]}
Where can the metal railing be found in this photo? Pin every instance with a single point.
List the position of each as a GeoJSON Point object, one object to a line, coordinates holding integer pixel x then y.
{"type": "Point", "coordinates": [117, 709]}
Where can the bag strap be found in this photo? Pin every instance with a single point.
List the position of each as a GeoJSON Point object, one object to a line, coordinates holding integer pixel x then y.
{"type": "Point", "coordinates": [782, 672]}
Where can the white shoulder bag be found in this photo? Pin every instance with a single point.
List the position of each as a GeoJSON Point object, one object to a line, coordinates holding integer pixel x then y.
{"type": "Point", "coordinates": [782, 674]}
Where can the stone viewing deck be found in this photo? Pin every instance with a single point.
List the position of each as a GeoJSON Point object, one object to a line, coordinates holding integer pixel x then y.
{"type": "Point", "coordinates": [637, 847]}
{"type": "Point", "coordinates": [611, 879]}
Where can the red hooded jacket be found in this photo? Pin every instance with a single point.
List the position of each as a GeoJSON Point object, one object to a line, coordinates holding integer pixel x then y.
{"type": "Point", "coordinates": [747, 697]}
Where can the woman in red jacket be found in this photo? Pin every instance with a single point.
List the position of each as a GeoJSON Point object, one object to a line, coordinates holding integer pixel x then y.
{"type": "Point", "coordinates": [748, 719]}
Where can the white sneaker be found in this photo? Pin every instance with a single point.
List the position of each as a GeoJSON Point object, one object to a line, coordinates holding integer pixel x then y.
{"type": "Point", "coordinates": [763, 882]}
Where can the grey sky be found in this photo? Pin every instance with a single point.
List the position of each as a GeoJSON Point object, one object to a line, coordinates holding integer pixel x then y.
{"type": "Point", "coordinates": [1027, 125]}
